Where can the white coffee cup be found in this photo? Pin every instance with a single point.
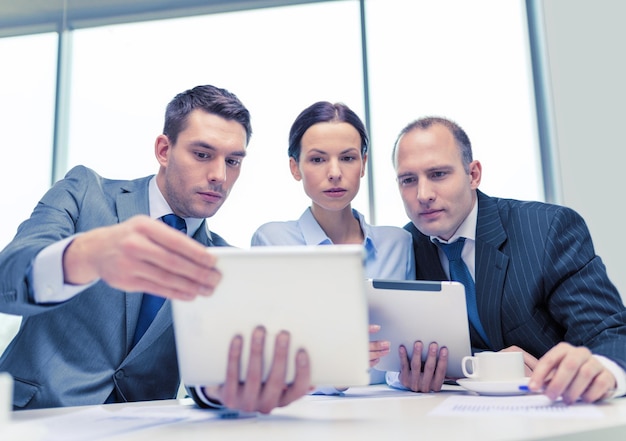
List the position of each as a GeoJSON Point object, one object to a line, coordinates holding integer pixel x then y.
{"type": "Point", "coordinates": [6, 398]}
{"type": "Point", "coordinates": [494, 366]}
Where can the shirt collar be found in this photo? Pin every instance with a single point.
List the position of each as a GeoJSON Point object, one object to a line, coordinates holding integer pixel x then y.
{"type": "Point", "coordinates": [314, 234]}
{"type": "Point", "coordinates": [159, 207]}
{"type": "Point", "coordinates": [311, 230]}
{"type": "Point", "coordinates": [368, 242]}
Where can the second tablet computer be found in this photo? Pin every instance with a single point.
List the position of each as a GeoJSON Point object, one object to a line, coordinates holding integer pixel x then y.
{"type": "Point", "coordinates": [412, 310]}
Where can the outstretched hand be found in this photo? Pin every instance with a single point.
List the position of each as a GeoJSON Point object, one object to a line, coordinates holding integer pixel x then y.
{"type": "Point", "coordinates": [142, 255]}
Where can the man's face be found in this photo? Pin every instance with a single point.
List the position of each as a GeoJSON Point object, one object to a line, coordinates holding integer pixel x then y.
{"type": "Point", "coordinates": [198, 172]}
{"type": "Point", "coordinates": [438, 193]}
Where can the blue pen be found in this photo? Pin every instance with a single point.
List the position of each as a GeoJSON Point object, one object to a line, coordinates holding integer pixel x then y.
{"type": "Point", "coordinates": [525, 388]}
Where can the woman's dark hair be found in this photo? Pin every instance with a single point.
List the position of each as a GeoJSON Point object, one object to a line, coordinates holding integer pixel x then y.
{"type": "Point", "coordinates": [323, 111]}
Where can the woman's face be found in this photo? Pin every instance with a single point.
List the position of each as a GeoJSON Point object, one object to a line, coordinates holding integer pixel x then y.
{"type": "Point", "coordinates": [331, 165]}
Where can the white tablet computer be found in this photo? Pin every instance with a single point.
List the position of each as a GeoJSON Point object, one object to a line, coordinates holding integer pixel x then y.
{"type": "Point", "coordinates": [317, 293]}
{"type": "Point", "coordinates": [420, 310]}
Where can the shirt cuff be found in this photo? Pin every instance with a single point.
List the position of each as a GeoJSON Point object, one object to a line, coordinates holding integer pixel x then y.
{"type": "Point", "coordinates": [393, 380]}
{"type": "Point", "coordinates": [618, 373]}
{"type": "Point", "coordinates": [46, 276]}
{"type": "Point", "coordinates": [202, 400]}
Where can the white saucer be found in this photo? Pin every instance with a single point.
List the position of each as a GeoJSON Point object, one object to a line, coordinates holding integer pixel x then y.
{"type": "Point", "coordinates": [504, 387]}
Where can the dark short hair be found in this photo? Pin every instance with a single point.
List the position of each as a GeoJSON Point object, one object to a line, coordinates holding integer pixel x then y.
{"type": "Point", "coordinates": [461, 138]}
{"type": "Point", "coordinates": [319, 112]}
{"type": "Point", "coordinates": [211, 99]}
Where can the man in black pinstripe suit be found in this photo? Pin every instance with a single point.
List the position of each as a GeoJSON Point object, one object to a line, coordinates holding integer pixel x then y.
{"type": "Point", "coordinates": [540, 287]}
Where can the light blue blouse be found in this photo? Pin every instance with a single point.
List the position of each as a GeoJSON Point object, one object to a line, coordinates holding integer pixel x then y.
{"type": "Point", "coordinates": [389, 250]}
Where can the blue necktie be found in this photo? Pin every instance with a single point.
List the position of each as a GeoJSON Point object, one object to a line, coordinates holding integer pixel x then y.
{"type": "Point", "coordinates": [460, 273]}
{"type": "Point", "coordinates": [150, 304]}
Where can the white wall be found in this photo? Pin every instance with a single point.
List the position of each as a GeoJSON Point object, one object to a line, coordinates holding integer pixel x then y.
{"type": "Point", "coordinates": [586, 46]}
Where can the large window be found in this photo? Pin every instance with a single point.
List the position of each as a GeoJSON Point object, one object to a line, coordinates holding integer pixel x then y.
{"type": "Point", "coordinates": [465, 60]}
{"type": "Point", "coordinates": [27, 85]}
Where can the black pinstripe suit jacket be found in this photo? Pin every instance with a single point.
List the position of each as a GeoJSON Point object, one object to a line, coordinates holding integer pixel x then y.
{"type": "Point", "coordinates": [538, 280]}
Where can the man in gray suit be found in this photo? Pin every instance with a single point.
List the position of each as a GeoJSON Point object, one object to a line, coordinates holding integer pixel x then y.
{"type": "Point", "coordinates": [77, 268]}
{"type": "Point", "coordinates": [539, 286]}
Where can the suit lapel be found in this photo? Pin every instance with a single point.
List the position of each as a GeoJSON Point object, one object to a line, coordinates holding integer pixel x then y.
{"type": "Point", "coordinates": [202, 235]}
{"type": "Point", "coordinates": [132, 200]}
{"type": "Point", "coordinates": [491, 265]}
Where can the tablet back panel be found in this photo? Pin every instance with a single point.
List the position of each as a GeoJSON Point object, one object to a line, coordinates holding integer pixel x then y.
{"type": "Point", "coordinates": [315, 293]}
{"type": "Point", "coordinates": [420, 310]}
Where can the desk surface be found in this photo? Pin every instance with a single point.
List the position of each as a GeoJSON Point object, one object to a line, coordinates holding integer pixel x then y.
{"type": "Point", "coordinates": [366, 413]}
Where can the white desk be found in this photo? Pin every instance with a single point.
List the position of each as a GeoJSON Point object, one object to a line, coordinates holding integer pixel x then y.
{"type": "Point", "coordinates": [369, 413]}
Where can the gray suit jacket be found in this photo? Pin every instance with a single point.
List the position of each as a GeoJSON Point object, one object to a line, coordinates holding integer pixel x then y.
{"type": "Point", "coordinates": [77, 352]}
{"type": "Point", "coordinates": [538, 280]}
